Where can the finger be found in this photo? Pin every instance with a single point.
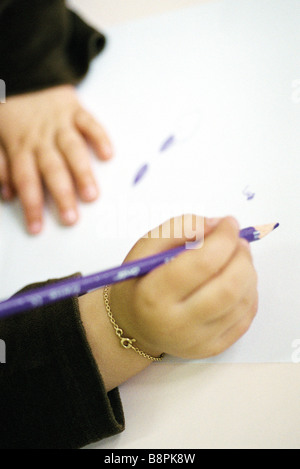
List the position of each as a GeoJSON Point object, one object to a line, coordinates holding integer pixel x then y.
{"type": "Point", "coordinates": [247, 308]}
{"type": "Point", "coordinates": [28, 184]}
{"type": "Point", "coordinates": [223, 292]}
{"type": "Point", "coordinates": [94, 133]}
{"type": "Point", "coordinates": [6, 188]}
{"type": "Point", "coordinates": [59, 183]}
{"type": "Point", "coordinates": [237, 330]}
{"type": "Point", "coordinates": [75, 152]}
{"type": "Point", "coordinates": [190, 270]}
{"type": "Point", "coordinates": [223, 333]}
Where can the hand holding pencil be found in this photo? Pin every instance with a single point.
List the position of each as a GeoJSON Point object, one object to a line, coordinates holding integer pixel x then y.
{"type": "Point", "coordinates": [196, 306]}
{"type": "Point", "coordinates": [189, 303]}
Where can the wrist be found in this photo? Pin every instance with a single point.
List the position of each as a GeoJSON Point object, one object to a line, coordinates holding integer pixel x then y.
{"type": "Point", "coordinates": [115, 363]}
{"type": "Point", "coordinates": [127, 313]}
{"type": "Point", "coordinates": [126, 342]}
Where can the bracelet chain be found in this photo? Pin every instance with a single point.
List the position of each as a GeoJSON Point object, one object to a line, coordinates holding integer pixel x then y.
{"type": "Point", "coordinates": [125, 341]}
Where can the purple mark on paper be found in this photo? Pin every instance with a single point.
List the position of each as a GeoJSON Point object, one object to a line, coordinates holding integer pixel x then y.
{"type": "Point", "coordinates": [170, 140]}
{"type": "Point", "coordinates": [140, 174]}
{"type": "Point", "coordinates": [142, 171]}
{"type": "Point", "coordinates": [248, 193]}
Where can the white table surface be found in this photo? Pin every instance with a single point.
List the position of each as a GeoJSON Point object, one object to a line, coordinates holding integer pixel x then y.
{"type": "Point", "coordinates": [189, 405]}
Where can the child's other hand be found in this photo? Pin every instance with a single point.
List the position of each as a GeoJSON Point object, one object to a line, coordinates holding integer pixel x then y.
{"type": "Point", "coordinates": [44, 140]}
{"type": "Point", "coordinates": [197, 305]}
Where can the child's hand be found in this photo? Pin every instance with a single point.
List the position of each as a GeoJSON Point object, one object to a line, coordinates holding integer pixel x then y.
{"type": "Point", "coordinates": [197, 305]}
{"type": "Point", "coordinates": [43, 141]}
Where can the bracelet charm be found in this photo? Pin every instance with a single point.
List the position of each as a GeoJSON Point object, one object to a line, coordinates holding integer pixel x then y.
{"type": "Point", "coordinates": [125, 341]}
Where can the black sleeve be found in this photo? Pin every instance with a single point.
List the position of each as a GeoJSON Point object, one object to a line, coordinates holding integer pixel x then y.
{"type": "Point", "coordinates": [44, 44]}
{"type": "Point", "coordinates": [51, 393]}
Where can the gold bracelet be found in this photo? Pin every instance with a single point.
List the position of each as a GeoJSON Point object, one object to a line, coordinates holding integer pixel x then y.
{"type": "Point", "coordinates": [125, 342]}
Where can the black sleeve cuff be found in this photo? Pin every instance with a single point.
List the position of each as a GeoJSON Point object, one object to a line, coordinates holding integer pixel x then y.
{"type": "Point", "coordinates": [43, 44]}
{"type": "Point", "coordinates": [52, 395]}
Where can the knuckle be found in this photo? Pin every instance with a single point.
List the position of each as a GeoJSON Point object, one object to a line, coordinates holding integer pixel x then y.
{"type": "Point", "coordinates": [229, 293]}
{"type": "Point", "coordinates": [63, 135]}
{"type": "Point", "coordinates": [84, 118]}
{"type": "Point", "coordinates": [69, 143]}
{"type": "Point", "coordinates": [49, 166]}
{"type": "Point", "coordinates": [18, 145]}
{"type": "Point", "coordinates": [49, 163]}
{"type": "Point", "coordinates": [32, 211]}
{"type": "Point", "coordinates": [21, 180]}
{"type": "Point", "coordinates": [64, 196]}
{"type": "Point", "coordinates": [83, 174]}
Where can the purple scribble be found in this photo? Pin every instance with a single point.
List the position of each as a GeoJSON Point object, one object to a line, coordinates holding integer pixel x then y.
{"type": "Point", "coordinates": [249, 194]}
{"type": "Point", "coordinates": [170, 140]}
{"type": "Point", "coordinates": [140, 174]}
{"type": "Point", "coordinates": [142, 171]}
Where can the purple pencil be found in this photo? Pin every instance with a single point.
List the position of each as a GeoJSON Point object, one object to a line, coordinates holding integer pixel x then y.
{"type": "Point", "coordinates": [80, 285]}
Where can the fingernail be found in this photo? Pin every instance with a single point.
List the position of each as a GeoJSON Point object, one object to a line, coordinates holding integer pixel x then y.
{"type": "Point", "coordinates": [107, 151]}
{"type": "Point", "coordinates": [35, 227]}
{"type": "Point", "coordinates": [69, 216]}
{"type": "Point", "coordinates": [212, 222]}
{"type": "Point", "coordinates": [90, 192]}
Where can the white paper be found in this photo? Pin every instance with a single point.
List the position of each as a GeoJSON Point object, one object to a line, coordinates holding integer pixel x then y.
{"type": "Point", "coordinates": [224, 79]}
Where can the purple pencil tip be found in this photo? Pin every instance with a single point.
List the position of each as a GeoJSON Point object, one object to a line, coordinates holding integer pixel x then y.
{"type": "Point", "coordinates": [276, 226]}
{"type": "Point", "coordinates": [140, 174]}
